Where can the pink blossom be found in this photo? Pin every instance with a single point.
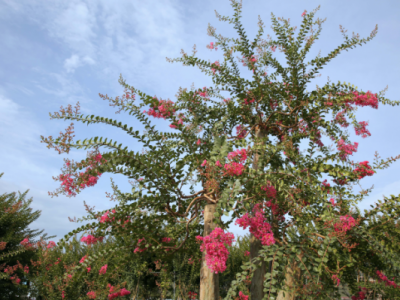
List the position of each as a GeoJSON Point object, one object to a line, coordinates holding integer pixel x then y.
{"type": "Point", "coordinates": [24, 241]}
{"type": "Point", "coordinates": [234, 169]}
{"type": "Point", "coordinates": [360, 129]}
{"type": "Point", "coordinates": [165, 109]}
{"type": "Point", "coordinates": [270, 191]}
{"type": "Point", "coordinates": [326, 186]}
{"type": "Point", "coordinates": [363, 170]}
{"type": "Point", "coordinates": [166, 239]}
{"type": "Point", "coordinates": [204, 163]}
{"type": "Point", "coordinates": [246, 253]}
{"type": "Point", "coordinates": [88, 269]}
{"type": "Point", "coordinates": [249, 102]}
{"type": "Point", "coordinates": [240, 131]}
{"type": "Point", "coordinates": [242, 155]}
{"type": "Point", "coordinates": [335, 278]}
{"type": "Point", "coordinates": [368, 99]}
{"type": "Point", "coordinates": [258, 226]}
{"type": "Point", "coordinates": [198, 142]}
{"type": "Point", "coordinates": [211, 46]}
{"type": "Point", "coordinates": [138, 249]}
{"type": "Point", "coordinates": [83, 259]}
{"type": "Point", "coordinates": [91, 295]}
{"type": "Point", "coordinates": [332, 201]}
{"type": "Point", "coordinates": [242, 296]}
{"type": "Point", "coordinates": [217, 64]}
{"type": "Point", "coordinates": [304, 13]}
{"type": "Point", "coordinates": [104, 218]}
{"type": "Point", "coordinates": [173, 126]}
{"type": "Point", "coordinates": [345, 224]}
{"type": "Point", "coordinates": [90, 240]}
{"type": "Point", "coordinates": [346, 150]}
{"type": "Point", "coordinates": [218, 164]}
{"type": "Point", "coordinates": [51, 244]}
{"type": "Point", "coordinates": [216, 252]}
{"type": "Point", "coordinates": [103, 269]}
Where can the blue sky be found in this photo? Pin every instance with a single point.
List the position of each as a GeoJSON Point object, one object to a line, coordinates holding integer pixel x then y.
{"type": "Point", "coordinates": [56, 53]}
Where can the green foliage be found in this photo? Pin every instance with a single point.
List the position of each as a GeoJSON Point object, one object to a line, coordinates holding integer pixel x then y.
{"type": "Point", "coordinates": [15, 217]}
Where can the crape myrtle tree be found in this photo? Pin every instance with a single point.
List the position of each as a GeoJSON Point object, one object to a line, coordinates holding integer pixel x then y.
{"type": "Point", "coordinates": [15, 217]}
{"type": "Point", "coordinates": [265, 178]}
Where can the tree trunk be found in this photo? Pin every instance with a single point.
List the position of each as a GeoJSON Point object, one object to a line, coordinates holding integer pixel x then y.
{"type": "Point", "coordinates": [209, 283]}
{"type": "Point", "coordinates": [257, 282]}
{"type": "Point", "coordinates": [293, 277]}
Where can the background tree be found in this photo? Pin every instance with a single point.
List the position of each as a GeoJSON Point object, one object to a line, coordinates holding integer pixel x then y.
{"type": "Point", "coordinates": [15, 217]}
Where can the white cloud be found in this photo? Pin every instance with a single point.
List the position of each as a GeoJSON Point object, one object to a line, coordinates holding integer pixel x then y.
{"type": "Point", "coordinates": [75, 62]}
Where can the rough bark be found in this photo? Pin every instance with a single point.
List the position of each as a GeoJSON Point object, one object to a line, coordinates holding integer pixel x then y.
{"type": "Point", "coordinates": [209, 281]}
{"type": "Point", "coordinates": [292, 278]}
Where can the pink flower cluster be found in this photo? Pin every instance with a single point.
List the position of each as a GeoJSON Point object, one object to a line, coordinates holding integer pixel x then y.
{"type": "Point", "coordinates": [217, 64]}
{"type": "Point", "coordinates": [246, 253]}
{"type": "Point", "coordinates": [360, 129]}
{"type": "Point", "coordinates": [139, 249]}
{"type": "Point", "coordinates": [368, 99]}
{"type": "Point", "coordinates": [346, 223]}
{"type": "Point", "coordinates": [304, 13]}
{"type": "Point", "coordinates": [243, 296]}
{"type": "Point", "coordinates": [258, 226]}
{"type": "Point", "coordinates": [215, 246]}
{"type": "Point", "coordinates": [340, 181]}
{"type": "Point", "coordinates": [83, 259]}
{"type": "Point", "coordinates": [387, 281]}
{"type": "Point", "coordinates": [241, 154]}
{"type": "Point", "coordinates": [361, 295]}
{"type": "Point", "coordinates": [364, 170]}
{"type": "Point", "coordinates": [278, 213]}
{"type": "Point", "coordinates": [204, 93]}
{"type": "Point", "coordinates": [248, 102]}
{"type": "Point", "coordinates": [270, 190]}
{"type": "Point", "coordinates": [105, 218]}
{"type": "Point", "coordinates": [88, 180]}
{"type": "Point", "coordinates": [25, 243]}
{"type": "Point", "coordinates": [211, 46]}
{"type": "Point", "coordinates": [192, 295]}
{"type": "Point", "coordinates": [121, 293]}
{"type": "Point", "coordinates": [103, 270]}
{"type": "Point", "coordinates": [51, 244]}
{"type": "Point", "coordinates": [164, 109]}
{"type": "Point", "coordinates": [218, 164]}
{"type": "Point", "coordinates": [166, 239]}
{"type": "Point", "coordinates": [234, 168]}
{"type": "Point", "coordinates": [340, 119]}
{"type": "Point", "coordinates": [336, 279]}
{"type": "Point", "coordinates": [326, 186]}
{"type": "Point", "coordinates": [90, 240]}
{"type": "Point", "coordinates": [240, 131]}
{"type": "Point", "coordinates": [346, 150]}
